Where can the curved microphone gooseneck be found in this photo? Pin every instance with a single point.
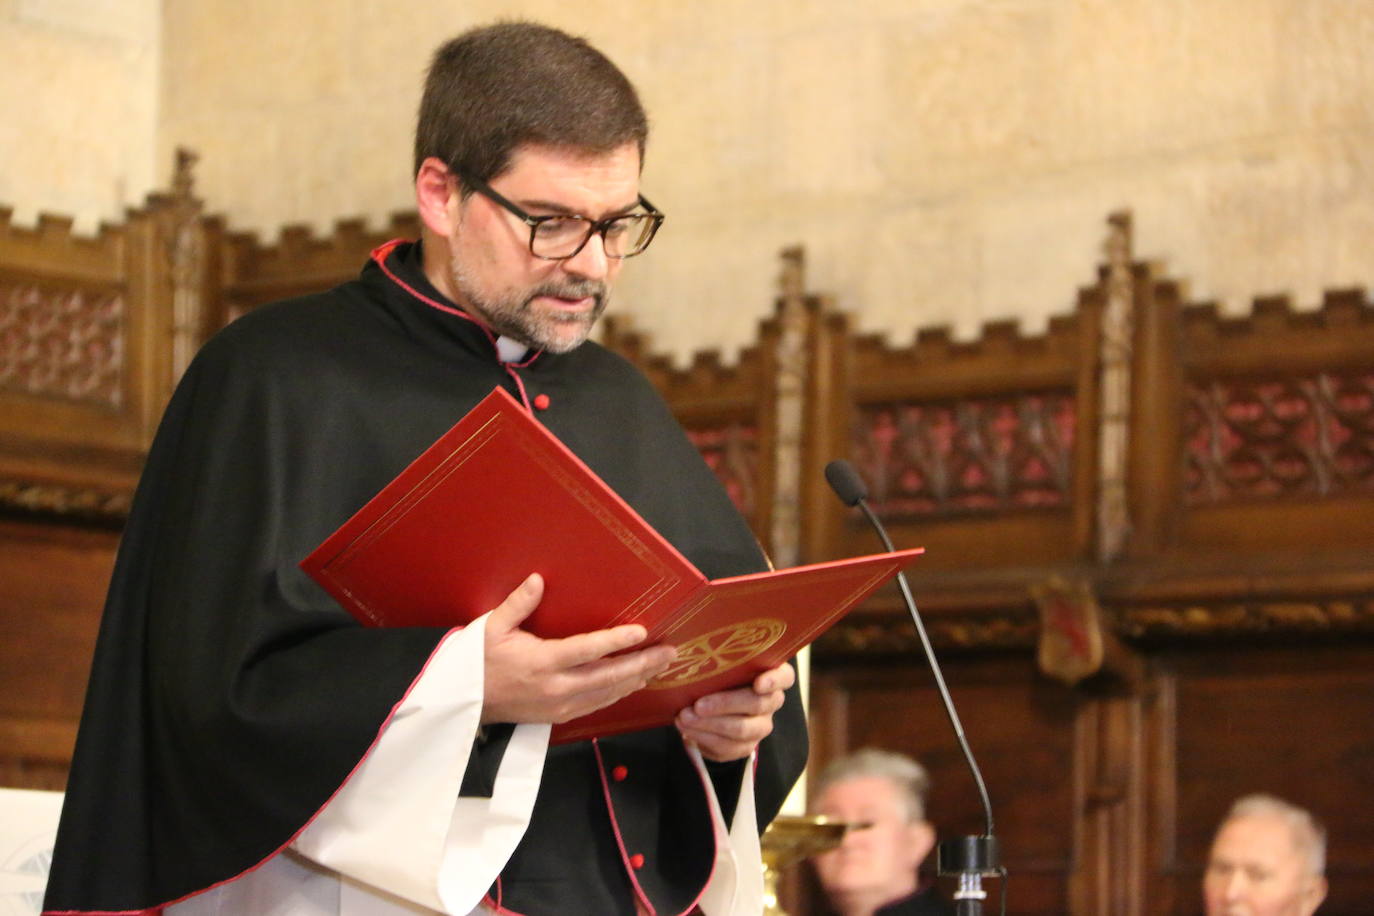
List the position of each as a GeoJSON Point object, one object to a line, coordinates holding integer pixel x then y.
{"type": "Point", "coordinates": [968, 858]}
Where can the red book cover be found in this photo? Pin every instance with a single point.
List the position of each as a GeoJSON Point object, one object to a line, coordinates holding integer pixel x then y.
{"type": "Point", "coordinates": [498, 497]}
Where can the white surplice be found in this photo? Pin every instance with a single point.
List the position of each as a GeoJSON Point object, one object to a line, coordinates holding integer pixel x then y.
{"type": "Point", "coordinates": [398, 840]}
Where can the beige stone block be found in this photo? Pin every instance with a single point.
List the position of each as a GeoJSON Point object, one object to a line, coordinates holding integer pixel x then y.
{"type": "Point", "coordinates": [239, 174]}
{"type": "Point", "coordinates": [1040, 85]}
{"type": "Point", "coordinates": [127, 24]}
{"type": "Point", "coordinates": [903, 269]}
{"type": "Point", "coordinates": [1325, 68]}
{"type": "Point", "coordinates": [79, 106]}
{"type": "Point", "coordinates": [1291, 218]}
{"type": "Point", "coordinates": [702, 151]}
{"type": "Point", "coordinates": [349, 162]}
{"type": "Point", "coordinates": [1038, 246]}
{"type": "Point", "coordinates": [705, 287]}
{"type": "Point", "coordinates": [1147, 76]}
{"type": "Point", "coordinates": [252, 53]}
{"type": "Point", "coordinates": [829, 112]}
{"type": "Point", "coordinates": [964, 91]}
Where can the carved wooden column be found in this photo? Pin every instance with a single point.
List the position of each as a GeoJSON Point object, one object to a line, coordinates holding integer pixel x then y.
{"type": "Point", "coordinates": [168, 258]}
{"type": "Point", "coordinates": [1110, 768]}
{"type": "Point", "coordinates": [1114, 354]}
{"type": "Point", "coordinates": [1157, 390]}
{"type": "Point", "coordinates": [1078, 645]}
{"type": "Point", "coordinates": [789, 380]}
{"type": "Point", "coordinates": [1078, 648]}
{"type": "Point", "coordinates": [185, 248]}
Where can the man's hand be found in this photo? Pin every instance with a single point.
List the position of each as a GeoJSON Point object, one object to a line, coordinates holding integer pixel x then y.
{"type": "Point", "coordinates": [528, 679]}
{"type": "Point", "coordinates": [730, 724]}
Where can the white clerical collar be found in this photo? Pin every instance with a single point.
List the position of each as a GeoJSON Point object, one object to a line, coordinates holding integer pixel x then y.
{"type": "Point", "coordinates": [510, 351]}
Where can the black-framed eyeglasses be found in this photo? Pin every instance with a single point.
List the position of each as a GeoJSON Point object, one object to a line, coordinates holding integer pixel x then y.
{"type": "Point", "coordinates": [557, 238]}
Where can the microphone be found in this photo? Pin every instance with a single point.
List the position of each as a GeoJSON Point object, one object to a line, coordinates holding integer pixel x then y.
{"type": "Point", "coordinates": [846, 483]}
{"type": "Point", "coordinates": [968, 858]}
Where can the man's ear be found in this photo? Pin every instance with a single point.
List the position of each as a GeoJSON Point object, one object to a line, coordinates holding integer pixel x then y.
{"type": "Point", "coordinates": [921, 836]}
{"type": "Point", "coordinates": [437, 197]}
{"type": "Point", "coordinates": [1315, 893]}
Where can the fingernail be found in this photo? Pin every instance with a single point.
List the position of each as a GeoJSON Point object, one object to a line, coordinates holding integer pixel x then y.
{"type": "Point", "coordinates": [765, 685]}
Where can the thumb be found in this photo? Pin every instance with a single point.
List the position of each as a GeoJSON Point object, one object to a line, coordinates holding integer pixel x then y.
{"type": "Point", "coordinates": [518, 605]}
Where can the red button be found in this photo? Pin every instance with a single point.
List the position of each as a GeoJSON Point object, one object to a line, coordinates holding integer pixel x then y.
{"type": "Point", "coordinates": [619, 774]}
{"type": "Point", "coordinates": [541, 401]}
{"type": "Point", "coordinates": [636, 861]}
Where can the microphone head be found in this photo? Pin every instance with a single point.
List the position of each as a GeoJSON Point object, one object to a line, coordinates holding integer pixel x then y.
{"type": "Point", "coordinates": [846, 482]}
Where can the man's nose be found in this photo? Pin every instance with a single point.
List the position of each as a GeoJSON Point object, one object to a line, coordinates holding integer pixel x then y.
{"type": "Point", "coordinates": [1235, 885]}
{"type": "Point", "coordinates": [856, 834]}
{"type": "Point", "coordinates": [591, 262]}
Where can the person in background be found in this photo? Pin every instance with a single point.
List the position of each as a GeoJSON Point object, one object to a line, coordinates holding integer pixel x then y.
{"type": "Point", "coordinates": [874, 870]}
{"type": "Point", "coordinates": [1268, 859]}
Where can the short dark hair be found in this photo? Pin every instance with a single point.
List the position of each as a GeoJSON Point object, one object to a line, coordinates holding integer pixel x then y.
{"type": "Point", "coordinates": [499, 87]}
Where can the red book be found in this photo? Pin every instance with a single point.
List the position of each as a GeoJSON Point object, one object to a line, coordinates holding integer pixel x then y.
{"type": "Point", "coordinates": [498, 497]}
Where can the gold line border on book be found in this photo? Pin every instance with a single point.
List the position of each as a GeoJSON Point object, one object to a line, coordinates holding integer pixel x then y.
{"type": "Point", "coordinates": [454, 460]}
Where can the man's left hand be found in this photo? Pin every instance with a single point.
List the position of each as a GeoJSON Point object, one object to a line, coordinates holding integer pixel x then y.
{"type": "Point", "coordinates": [730, 724]}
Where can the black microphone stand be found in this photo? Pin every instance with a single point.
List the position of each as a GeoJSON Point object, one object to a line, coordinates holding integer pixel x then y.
{"type": "Point", "coordinates": [968, 858]}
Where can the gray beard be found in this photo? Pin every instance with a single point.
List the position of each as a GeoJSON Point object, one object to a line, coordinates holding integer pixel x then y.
{"type": "Point", "coordinates": [513, 316]}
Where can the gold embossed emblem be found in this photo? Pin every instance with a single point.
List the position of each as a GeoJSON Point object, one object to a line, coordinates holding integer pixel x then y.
{"type": "Point", "coordinates": [719, 650]}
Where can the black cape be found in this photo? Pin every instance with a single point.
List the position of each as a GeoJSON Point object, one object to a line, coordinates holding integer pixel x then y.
{"type": "Point", "coordinates": [230, 696]}
{"type": "Point", "coordinates": [925, 902]}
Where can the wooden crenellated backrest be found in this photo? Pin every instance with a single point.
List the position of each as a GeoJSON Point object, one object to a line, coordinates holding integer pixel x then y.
{"type": "Point", "coordinates": [1150, 534]}
{"type": "Point", "coordinates": [1149, 531]}
{"type": "Point", "coordinates": [298, 263]}
{"type": "Point", "coordinates": [90, 331]}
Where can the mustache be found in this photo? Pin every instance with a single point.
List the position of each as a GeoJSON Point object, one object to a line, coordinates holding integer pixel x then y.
{"type": "Point", "coordinates": [571, 289]}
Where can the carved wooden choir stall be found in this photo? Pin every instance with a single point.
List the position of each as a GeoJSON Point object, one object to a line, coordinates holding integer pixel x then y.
{"type": "Point", "coordinates": [1150, 532]}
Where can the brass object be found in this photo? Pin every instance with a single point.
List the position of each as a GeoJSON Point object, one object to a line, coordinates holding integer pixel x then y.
{"type": "Point", "coordinates": [788, 840]}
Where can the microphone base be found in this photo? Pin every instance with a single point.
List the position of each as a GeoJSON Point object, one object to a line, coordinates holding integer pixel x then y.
{"type": "Point", "coordinates": [978, 855]}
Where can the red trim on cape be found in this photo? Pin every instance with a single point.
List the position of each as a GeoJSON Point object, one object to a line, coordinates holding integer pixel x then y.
{"type": "Point", "coordinates": [706, 786]}
{"type": "Point", "coordinates": [619, 839]}
{"type": "Point", "coordinates": [384, 251]}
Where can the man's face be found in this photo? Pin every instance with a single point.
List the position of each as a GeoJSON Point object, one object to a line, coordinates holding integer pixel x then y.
{"type": "Point", "coordinates": [877, 864]}
{"type": "Point", "coordinates": [551, 305]}
{"type": "Point", "coordinates": [1256, 869]}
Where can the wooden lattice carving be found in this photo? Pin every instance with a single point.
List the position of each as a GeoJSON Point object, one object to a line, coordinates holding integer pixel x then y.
{"type": "Point", "coordinates": [972, 455]}
{"type": "Point", "coordinates": [731, 451]}
{"type": "Point", "coordinates": [62, 343]}
{"type": "Point", "coordinates": [1263, 438]}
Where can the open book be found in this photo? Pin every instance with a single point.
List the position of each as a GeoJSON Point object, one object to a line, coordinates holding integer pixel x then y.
{"type": "Point", "coordinates": [498, 497]}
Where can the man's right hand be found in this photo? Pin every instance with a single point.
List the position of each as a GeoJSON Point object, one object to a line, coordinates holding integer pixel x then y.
{"type": "Point", "coordinates": [528, 679]}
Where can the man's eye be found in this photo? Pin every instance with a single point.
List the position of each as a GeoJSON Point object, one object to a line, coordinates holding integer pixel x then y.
{"type": "Point", "coordinates": [561, 228]}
